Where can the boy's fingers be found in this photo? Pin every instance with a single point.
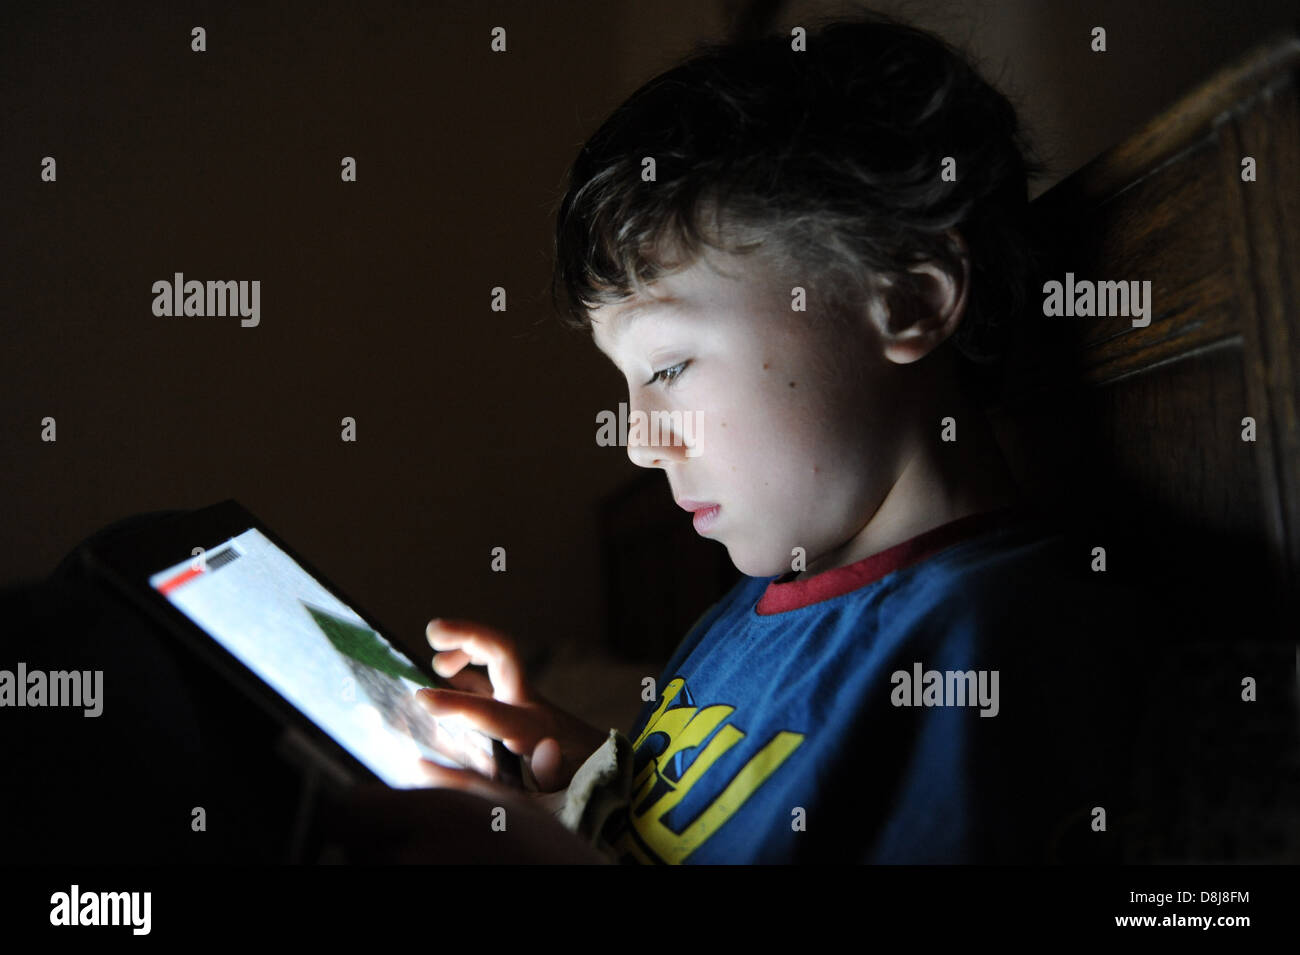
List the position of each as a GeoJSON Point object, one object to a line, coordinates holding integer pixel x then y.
{"type": "Point", "coordinates": [447, 663]}
{"type": "Point", "coordinates": [545, 764]}
{"type": "Point", "coordinates": [466, 780]}
{"type": "Point", "coordinates": [456, 749]}
{"type": "Point", "coordinates": [486, 647]}
{"type": "Point", "coordinates": [471, 681]}
{"type": "Point", "coordinates": [451, 666]}
{"type": "Point", "coordinates": [503, 720]}
{"type": "Point", "coordinates": [444, 742]}
{"type": "Point", "coordinates": [444, 634]}
{"type": "Point", "coordinates": [503, 671]}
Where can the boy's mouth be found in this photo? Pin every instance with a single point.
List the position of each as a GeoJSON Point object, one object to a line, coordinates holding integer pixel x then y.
{"type": "Point", "coordinates": [705, 513]}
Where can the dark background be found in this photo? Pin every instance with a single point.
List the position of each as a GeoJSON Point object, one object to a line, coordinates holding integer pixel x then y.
{"type": "Point", "coordinates": [476, 428]}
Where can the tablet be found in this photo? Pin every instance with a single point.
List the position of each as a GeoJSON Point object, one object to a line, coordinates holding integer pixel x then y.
{"type": "Point", "coordinates": [235, 592]}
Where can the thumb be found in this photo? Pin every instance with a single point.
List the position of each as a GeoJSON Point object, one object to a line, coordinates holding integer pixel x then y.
{"type": "Point", "coordinates": [546, 765]}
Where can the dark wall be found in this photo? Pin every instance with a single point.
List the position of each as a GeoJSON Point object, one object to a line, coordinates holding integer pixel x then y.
{"type": "Point", "coordinates": [475, 427]}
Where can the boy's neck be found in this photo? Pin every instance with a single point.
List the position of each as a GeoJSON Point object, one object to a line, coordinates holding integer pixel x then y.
{"type": "Point", "coordinates": [940, 483]}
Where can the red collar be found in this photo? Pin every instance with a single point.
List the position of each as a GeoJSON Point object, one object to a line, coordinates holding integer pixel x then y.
{"type": "Point", "coordinates": [780, 597]}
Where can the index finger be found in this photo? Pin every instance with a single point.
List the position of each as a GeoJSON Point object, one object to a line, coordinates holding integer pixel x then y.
{"type": "Point", "coordinates": [513, 725]}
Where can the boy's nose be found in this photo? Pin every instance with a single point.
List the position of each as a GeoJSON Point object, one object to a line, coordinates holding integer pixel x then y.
{"type": "Point", "coordinates": [655, 444]}
{"type": "Point", "coordinates": [648, 455]}
{"type": "Point", "coordinates": [644, 456]}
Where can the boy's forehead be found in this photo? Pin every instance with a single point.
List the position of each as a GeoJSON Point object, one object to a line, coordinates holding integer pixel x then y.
{"type": "Point", "coordinates": [689, 292]}
{"type": "Point", "coordinates": [609, 322]}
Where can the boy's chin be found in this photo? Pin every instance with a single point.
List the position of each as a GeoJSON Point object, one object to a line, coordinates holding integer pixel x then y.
{"type": "Point", "coordinates": [757, 565]}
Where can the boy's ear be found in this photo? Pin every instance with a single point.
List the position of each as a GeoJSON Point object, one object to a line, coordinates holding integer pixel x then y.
{"type": "Point", "coordinates": [913, 324]}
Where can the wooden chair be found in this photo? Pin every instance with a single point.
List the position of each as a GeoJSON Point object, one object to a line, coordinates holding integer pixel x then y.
{"type": "Point", "coordinates": [1137, 432]}
{"type": "Point", "coordinates": [1170, 205]}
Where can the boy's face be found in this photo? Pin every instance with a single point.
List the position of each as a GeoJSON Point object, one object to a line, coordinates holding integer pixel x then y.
{"type": "Point", "coordinates": [799, 415]}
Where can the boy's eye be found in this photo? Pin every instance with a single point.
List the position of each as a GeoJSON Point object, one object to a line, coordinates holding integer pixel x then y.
{"type": "Point", "coordinates": [668, 375]}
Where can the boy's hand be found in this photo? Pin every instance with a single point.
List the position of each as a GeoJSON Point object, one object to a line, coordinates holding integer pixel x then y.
{"type": "Point", "coordinates": [503, 705]}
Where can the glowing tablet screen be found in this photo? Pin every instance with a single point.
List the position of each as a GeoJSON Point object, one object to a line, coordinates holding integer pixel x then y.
{"type": "Point", "coordinates": [315, 651]}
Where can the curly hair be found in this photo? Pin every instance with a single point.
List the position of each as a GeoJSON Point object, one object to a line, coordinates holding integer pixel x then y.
{"type": "Point", "coordinates": [827, 160]}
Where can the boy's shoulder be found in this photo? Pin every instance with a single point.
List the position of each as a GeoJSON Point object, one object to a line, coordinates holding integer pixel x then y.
{"type": "Point", "coordinates": [1027, 565]}
{"type": "Point", "coordinates": [1035, 593]}
{"type": "Point", "coordinates": [980, 565]}
{"type": "Point", "coordinates": [1013, 561]}
{"type": "Point", "coordinates": [1019, 586]}
{"type": "Point", "coordinates": [1011, 586]}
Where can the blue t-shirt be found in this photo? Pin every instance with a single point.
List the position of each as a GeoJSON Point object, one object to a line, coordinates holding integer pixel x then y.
{"type": "Point", "coordinates": [957, 698]}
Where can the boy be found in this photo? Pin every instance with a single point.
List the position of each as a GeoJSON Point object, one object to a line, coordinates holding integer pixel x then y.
{"type": "Point", "coordinates": [821, 264]}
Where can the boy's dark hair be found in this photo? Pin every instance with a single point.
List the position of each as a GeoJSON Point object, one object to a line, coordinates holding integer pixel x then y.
{"type": "Point", "coordinates": [826, 160]}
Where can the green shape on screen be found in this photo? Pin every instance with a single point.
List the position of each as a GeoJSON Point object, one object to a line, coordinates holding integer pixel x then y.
{"type": "Point", "coordinates": [363, 645]}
